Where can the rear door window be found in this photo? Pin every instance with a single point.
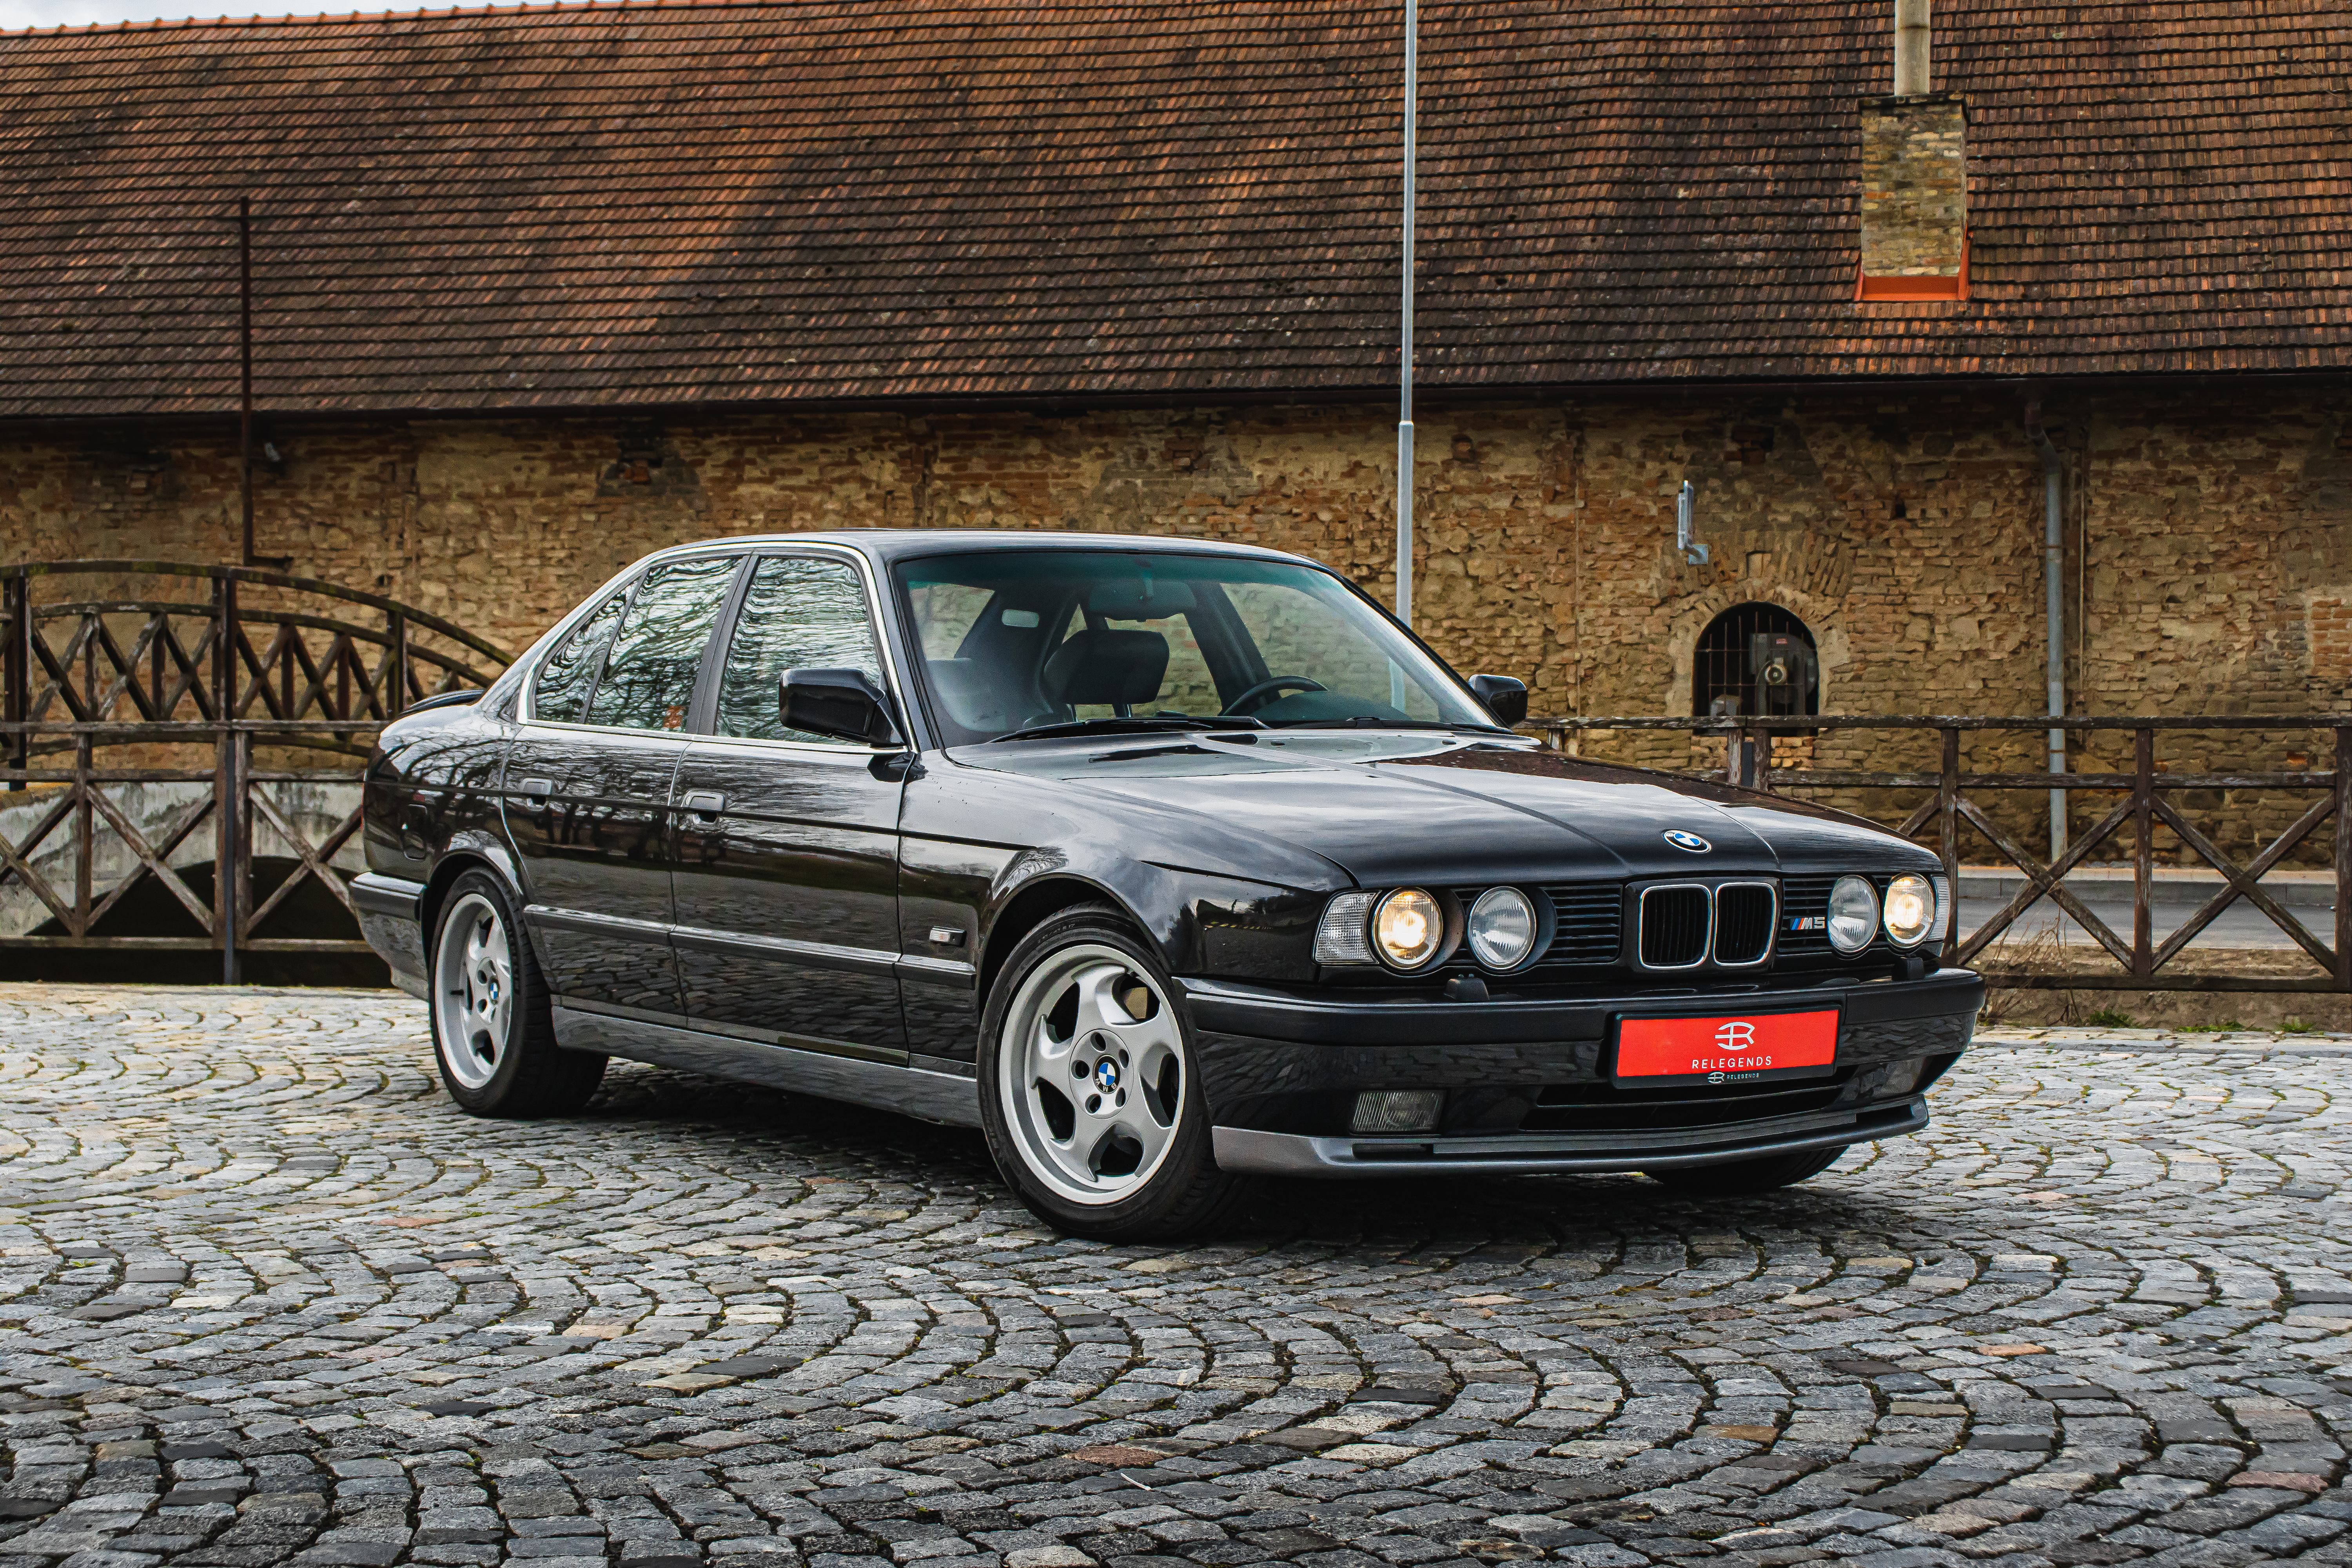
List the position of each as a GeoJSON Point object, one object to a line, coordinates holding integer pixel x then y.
{"type": "Point", "coordinates": [657, 653]}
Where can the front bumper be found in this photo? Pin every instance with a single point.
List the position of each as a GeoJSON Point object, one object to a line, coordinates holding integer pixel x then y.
{"type": "Point", "coordinates": [1528, 1078]}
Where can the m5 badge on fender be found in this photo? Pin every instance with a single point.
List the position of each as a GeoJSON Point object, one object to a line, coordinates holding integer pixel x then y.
{"type": "Point", "coordinates": [1690, 841]}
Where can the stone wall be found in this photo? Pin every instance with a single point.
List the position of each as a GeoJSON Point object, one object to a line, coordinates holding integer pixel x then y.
{"type": "Point", "coordinates": [1903, 528]}
{"type": "Point", "coordinates": [1914, 186]}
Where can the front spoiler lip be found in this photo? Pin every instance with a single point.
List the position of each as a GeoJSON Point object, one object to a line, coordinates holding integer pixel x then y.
{"type": "Point", "coordinates": [1245, 1150]}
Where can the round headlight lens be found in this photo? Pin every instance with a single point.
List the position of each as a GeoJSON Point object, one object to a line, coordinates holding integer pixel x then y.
{"type": "Point", "coordinates": [1407, 927]}
{"type": "Point", "coordinates": [1502, 928]}
{"type": "Point", "coordinates": [1910, 910]}
{"type": "Point", "coordinates": [1853, 914]}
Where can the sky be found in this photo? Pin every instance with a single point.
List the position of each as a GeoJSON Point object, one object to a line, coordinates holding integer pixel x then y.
{"type": "Point", "coordinates": [20, 13]}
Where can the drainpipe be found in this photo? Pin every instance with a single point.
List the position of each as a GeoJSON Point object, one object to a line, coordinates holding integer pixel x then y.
{"type": "Point", "coordinates": [2054, 580]}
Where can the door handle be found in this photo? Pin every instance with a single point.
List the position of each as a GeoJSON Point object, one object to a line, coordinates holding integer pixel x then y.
{"type": "Point", "coordinates": [536, 791]}
{"type": "Point", "coordinates": [706, 803]}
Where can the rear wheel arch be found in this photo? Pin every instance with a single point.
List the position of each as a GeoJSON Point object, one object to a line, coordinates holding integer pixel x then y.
{"type": "Point", "coordinates": [444, 877]}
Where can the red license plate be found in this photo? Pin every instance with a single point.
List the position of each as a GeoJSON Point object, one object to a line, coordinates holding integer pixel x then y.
{"type": "Point", "coordinates": [1727, 1049]}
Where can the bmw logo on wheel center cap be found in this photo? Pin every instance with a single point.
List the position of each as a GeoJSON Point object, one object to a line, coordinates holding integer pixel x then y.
{"type": "Point", "coordinates": [1106, 1075]}
{"type": "Point", "coordinates": [1690, 841]}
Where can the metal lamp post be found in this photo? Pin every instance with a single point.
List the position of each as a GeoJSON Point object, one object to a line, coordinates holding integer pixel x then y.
{"type": "Point", "coordinates": [1404, 365]}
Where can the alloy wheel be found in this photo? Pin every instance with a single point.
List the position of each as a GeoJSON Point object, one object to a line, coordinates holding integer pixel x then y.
{"type": "Point", "coordinates": [1091, 1072]}
{"type": "Point", "coordinates": [473, 979]}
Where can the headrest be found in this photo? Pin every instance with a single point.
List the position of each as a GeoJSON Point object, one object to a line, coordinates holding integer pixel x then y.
{"type": "Point", "coordinates": [1113, 666]}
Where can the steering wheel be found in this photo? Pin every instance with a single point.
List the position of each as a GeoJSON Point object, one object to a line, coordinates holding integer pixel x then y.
{"type": "Point", "coordinates": [1242, 705]}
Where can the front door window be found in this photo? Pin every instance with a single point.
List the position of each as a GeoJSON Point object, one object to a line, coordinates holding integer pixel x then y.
{"type": "Point", "coordinates": [798, 612]}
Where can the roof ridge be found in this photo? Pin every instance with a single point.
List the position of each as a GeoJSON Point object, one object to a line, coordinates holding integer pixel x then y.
{"type": "Point", "coordinates": [527, 7]}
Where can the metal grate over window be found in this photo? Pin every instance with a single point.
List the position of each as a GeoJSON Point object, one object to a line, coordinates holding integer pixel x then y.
{"type": "Point", "coordinates": [1726, 666]}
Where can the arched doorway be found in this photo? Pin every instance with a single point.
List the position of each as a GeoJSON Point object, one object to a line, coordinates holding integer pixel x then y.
{"type": "Point", "coordinates": [1755, 658]}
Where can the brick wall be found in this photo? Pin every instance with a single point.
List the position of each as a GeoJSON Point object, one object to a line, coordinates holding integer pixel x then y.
{"type": "Point", "coordinates": [1903, 528]}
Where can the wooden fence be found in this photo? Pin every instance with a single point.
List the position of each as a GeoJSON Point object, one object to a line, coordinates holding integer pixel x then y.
{"type": "Point", "coordinates": [106, 686]}
{"type": "Point", "coordinates": [1950, 812]}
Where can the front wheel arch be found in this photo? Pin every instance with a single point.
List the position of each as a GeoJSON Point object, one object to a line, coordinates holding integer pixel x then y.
{"type": "Point", "coordinates": [1032, 907]}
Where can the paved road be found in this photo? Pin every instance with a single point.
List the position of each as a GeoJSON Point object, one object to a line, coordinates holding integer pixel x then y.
{"type": "Point", "coordinates": [264, 1296]}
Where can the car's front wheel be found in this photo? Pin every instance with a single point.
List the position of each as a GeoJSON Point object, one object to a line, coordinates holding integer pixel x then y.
{"type": "Point", "coordinates": [492, 1033]}
{"type": "Point", "coordinates": [1090, 1095]}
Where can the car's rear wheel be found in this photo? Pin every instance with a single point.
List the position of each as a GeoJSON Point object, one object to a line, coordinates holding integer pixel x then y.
{"type": "Point", "coordinates": [492, 1033]}
{"type": "Point", "coordinates": [1734, 1177]}
{"type": "Point", "coordinates": [1089, 1094]}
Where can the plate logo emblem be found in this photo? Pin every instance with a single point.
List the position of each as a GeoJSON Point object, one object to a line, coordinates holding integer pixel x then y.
{"type": "Point", "coordinates": [1690, 841]}
{"type": "Point", "coordinates": [1106, 1075]}
{"type": "Point", "coordinates": [1735, 1034]}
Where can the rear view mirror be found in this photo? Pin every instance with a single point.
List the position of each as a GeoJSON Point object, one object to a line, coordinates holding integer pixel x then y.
{"type": "Point", "coordinates": [844, 703]}
{"type": "Point", "coordinates": [1505, 698]}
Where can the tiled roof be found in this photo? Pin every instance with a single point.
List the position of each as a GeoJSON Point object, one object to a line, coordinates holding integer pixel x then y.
{"type": "Point", "coordinates": [855, 199]}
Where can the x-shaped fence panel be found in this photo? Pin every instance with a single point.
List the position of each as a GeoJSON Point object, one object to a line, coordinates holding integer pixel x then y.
{"type": "Point", "coordinates": [1955, 813]}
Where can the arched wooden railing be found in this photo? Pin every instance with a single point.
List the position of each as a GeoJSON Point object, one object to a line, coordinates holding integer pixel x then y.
{"type": "Point", "coordinates": [107, 683]}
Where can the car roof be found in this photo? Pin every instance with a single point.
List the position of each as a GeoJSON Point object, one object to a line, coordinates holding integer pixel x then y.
{"type": "Point", "coordinates": [887, 544]}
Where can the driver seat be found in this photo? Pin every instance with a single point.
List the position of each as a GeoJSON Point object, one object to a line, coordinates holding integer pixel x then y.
{"type": "Point", "coordinates": [1121, 669]}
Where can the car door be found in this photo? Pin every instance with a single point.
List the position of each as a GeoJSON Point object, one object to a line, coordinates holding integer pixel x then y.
{"type": "Point", "coordinates": [788, 864]}
{"type": "Point", "coordinates": [588, 782]}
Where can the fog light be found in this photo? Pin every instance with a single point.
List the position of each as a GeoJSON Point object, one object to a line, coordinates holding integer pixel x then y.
{"type": "Point", "coordinates": [1396, 1110]}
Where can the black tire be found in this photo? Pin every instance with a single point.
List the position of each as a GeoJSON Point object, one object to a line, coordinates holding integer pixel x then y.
{"type": "Point", "coordinates": [1734, 1177]}
{"type": "Point", "coordinates": [533, 1076]}
{"type": "Point", "coordinates": [1186, 1194]}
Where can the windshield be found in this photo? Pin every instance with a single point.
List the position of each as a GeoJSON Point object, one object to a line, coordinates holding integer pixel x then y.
{"type": "Point", "coordinates": [1016, 640]}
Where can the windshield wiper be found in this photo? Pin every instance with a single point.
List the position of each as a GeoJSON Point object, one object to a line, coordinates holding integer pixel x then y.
{"type": "Point", "coordinates": [1366, 721]}
{"type": "Point", "coordinates": [1138, 725]}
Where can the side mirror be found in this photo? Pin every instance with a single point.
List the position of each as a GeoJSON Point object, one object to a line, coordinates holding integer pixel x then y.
{"type": "Point", "coordinates": [845, 704]}
{"type": "Point", "coordinates": [1505, 698]}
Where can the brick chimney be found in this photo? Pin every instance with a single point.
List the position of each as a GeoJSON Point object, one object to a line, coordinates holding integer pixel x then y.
{"type": "Point", "coordinates": [1915, 179]}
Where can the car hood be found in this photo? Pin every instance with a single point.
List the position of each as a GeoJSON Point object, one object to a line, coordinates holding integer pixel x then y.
{"type": "Point", "coordinates": [1390, 808]}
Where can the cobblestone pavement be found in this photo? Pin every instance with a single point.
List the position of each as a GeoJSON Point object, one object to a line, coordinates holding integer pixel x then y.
{"type": "Point", "coordinates": [265, 1295]}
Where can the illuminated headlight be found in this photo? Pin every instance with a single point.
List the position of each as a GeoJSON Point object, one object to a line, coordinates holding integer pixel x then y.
{"type": "Point", "coordinates": [1910, 910]}
{"type": "Point", "coordinates": [1502, 928]}
{"type": "Point", "coordinates": [1408, 928]}
{"type": "Point", "coordinates": [1853, 914]}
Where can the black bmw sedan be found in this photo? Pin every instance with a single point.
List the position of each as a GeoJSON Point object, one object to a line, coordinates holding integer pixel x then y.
{"type": "Point", "coordinates": [1166, 864]}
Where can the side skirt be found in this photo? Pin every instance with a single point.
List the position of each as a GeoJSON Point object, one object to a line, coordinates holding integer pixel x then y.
{"type": "Point", "coordinates": [910, 1091]}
